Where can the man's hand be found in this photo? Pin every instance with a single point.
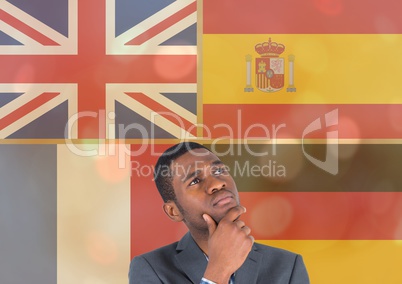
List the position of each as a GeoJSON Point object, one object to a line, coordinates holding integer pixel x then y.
{"type": "Point", "coordinates": [229, 244]}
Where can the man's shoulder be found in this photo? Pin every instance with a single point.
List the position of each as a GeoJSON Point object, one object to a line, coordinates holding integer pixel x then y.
{"type": "Point", "coordinates": [161, 252]}
{"type": "Point", "coordinates": [274, 252]}
{"type": "Point", "coordinates": [165, 255]}
{"type": "Point", "coordinates": [280, 264]}
{"type": "Point", "coordinates": [154, 265]}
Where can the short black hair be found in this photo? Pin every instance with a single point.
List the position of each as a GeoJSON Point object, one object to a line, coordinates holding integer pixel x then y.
{"type": "Point", "coordinates": [163, 175]}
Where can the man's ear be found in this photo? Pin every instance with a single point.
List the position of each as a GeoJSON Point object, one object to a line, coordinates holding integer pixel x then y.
{"type": "Point", "coordinates": [172, 211]}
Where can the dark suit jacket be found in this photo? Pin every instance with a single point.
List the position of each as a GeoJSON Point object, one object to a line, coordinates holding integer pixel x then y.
{"type": "Point", "coordinates": [184, 262]}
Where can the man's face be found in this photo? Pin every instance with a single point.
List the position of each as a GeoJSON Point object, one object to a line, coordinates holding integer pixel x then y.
{"type": "Point", "coordinates": [202, 184]}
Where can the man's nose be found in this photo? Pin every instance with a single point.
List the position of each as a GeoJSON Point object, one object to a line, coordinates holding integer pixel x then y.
{"type": "Point", "coordinates": [215, 184]}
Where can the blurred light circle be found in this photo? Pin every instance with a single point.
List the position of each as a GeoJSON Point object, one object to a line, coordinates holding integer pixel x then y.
{"type": "Point", "coordinates": [395, 117]}
{"type": "Point", "coordinates": [101, 248]}
{"type": "Point", "coordinates": [272, 216]}
{"type": "Point", "coordinates": [182, 66]}
{"type": "Point", "coordinates": [111, 115]}
{"type": "Point", "coordinates": [383, 25]}
{"type": "Point", "coordinates": [298, 111]}
{"type": "Point", "coordinates": [349, 129]}
{"type": "Point", "coordinates": [113, 168]}
{"type": "Point", "coordinates": [25, 74]}
{"type": "Point", "coordinates": [346, 151]}
{"type": "Point", "coordinates": [398, 206]}
{"type": "Point", "coordinates": [382, 202]}
{"type": "Point", "coordinates": [329, 7]}
{"type": "Point", "coordinates": [398, 232]}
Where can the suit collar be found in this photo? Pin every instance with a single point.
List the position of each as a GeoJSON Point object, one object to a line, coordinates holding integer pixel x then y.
{"type": "Point", "coordinates": [193, 262]}
{"type": "Point", "coordinates": [191, 258]}
{"type": "Point", "coordinates": [248, 272]}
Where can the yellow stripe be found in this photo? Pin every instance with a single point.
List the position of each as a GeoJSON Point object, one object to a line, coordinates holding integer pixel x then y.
{"type": "Point", "coordinates": [329, 69]}
{"type": "Point", "coordinates": [93, 215]}
{"type": "Point", "coordinates": [334, 262]}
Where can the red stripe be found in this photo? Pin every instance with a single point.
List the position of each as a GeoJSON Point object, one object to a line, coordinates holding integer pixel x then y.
{"type": "Point", "coordinates": [24, 28]}
{"type": "Point", "coordinates": [154, 68]}
{"type": "Point", "coordinates": [163, 25]}
{"type": "Point", "coordinates": [357, 121]}
{"type": "Point", "coordinates": [26, 108]}
{"type": "Point", "coordinates": [163, 111]}
{"type": "Point", "coordinates": [298, 17]}
{"type": "Point", "coordinates": [323, 215]}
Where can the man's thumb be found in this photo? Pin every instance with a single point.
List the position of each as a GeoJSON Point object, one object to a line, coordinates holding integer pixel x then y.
{"type": "Point", "coordinates": [210, 222]}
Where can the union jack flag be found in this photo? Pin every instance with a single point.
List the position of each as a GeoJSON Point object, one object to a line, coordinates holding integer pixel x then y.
{"type": "Point", "coordinates": [62, 60]}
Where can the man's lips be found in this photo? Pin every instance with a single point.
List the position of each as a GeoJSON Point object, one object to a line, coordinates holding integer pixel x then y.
{"type": "Point", "coordinates": [223, 198]}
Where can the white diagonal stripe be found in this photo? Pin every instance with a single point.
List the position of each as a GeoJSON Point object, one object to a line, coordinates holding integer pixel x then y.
{"type": "Point", "coordinates": [117, 92]}
{"type": "Point", "coordinates": [116, 45]}
{"type": "Point", "coordinates": [152, 116]}
{"type": "Point", "coordinates": [68, 45]}
{"type": "Point", "coordinates": [30, 92]}
{"type": "Point", "coordinates": [18, 102]}
{"type": "Point", "coordinates": [33, 22]}
{"type": "Point", "coordinates": [26, 119]}
{"type": "Point", "coordinates": [178, 109]}
{"type": "Point", "coordinates": [153, 20]}
{"type": "Point", "coordinates": [172, 30]}
{"type": "Point", "coordinates": [16, 34]}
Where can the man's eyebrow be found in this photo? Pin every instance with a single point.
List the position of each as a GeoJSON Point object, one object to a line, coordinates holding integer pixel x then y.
{"type": "Point", "coordinates": [190, 175]}
{"type": "Point", "coordinates": [217, 162]}
{"type": "Point", "coordinates": [196, 172]}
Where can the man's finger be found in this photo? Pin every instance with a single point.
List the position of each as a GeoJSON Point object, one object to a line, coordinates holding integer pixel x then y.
{"type": "Point", "coordinates": [234, 213]}
{"type": "Point", "coordinates": [246, 229]}
{"type": "Point", "coordinates": [210, 223]}
{"type": "Point", "coordinates": [240, 224]}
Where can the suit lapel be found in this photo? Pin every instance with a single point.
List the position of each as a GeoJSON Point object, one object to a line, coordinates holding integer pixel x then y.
{"type": "Point", "coordinates": [191, 259]}
{"type": "Point", "coordinates": [193, 262]}
{"type": "Point", "coordinates": [248, 272]}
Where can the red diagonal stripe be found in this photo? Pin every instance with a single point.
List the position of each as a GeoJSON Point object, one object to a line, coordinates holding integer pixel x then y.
{"type": "Point", "coordinates": [26, 108]}
{"type": "Point", "coordinates": [161, 110]}
{"type": "Point", "coordinates": [24, 28]}
{"type": "Point", "coordinates": [163, 25]}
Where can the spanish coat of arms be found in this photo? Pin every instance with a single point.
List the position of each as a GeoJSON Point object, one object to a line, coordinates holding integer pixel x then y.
{"type": "Point", "coordinates": [269, 68]}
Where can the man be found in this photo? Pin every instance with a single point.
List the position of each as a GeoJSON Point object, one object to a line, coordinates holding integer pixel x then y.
{"type": "Point", "coordinates": [198, 190]}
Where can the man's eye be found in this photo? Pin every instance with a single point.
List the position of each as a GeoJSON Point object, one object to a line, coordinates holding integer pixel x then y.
{"type": "Point", "coordinates": [194, 181]}
{"type": "Point", "coordinates": [219, 171]}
